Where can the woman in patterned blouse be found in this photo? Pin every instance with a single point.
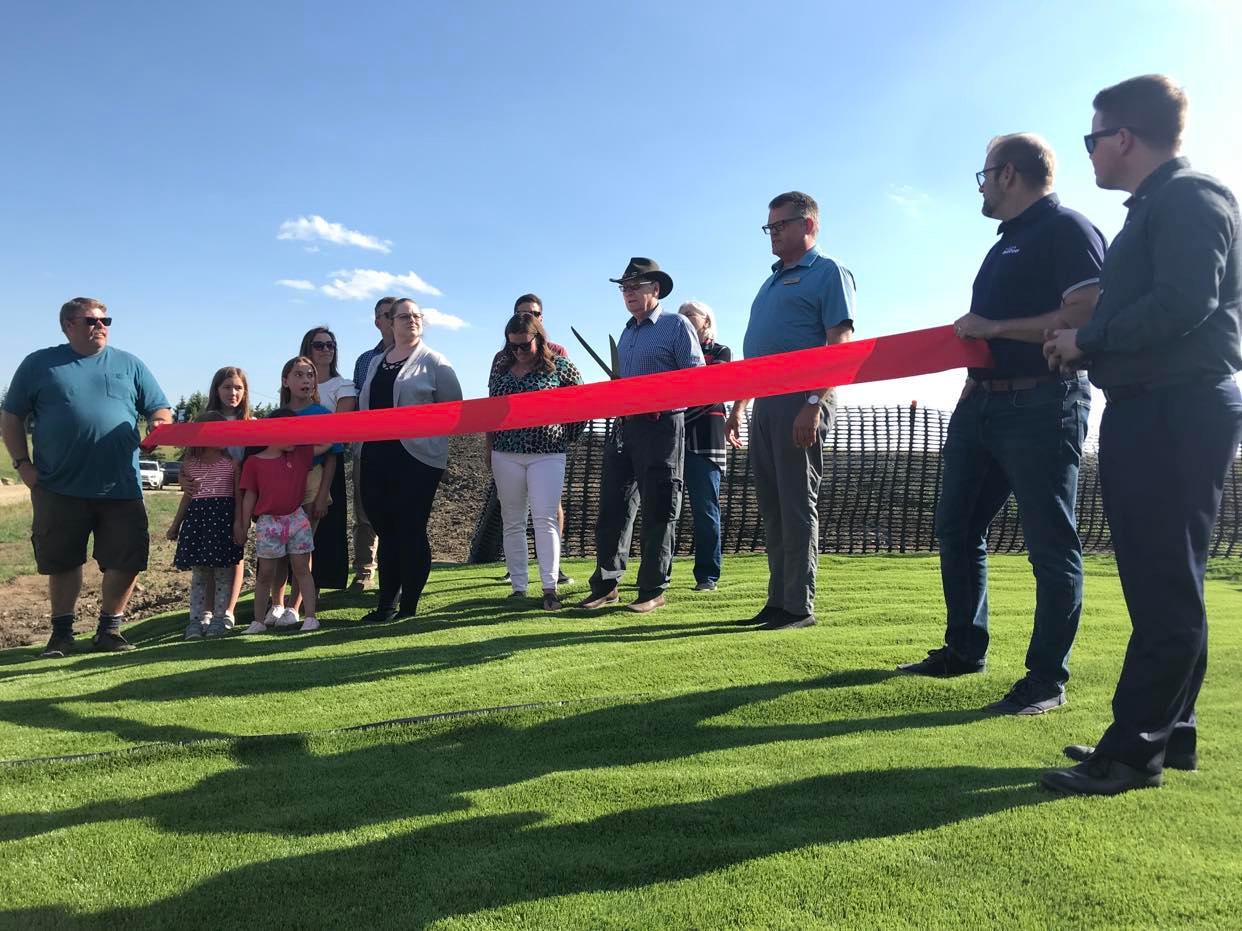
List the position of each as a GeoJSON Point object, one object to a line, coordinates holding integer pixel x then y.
{"type": "Point", "coordinates": [529, 464]}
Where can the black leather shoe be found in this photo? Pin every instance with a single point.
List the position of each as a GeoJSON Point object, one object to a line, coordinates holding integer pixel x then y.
{"type": "Point", "coordinates": [1099, 776]}
{"type": "Point", "coordinates": [768, 613]}
{"type": "Point", "coordinates": [787, 621]}
{"type": "Point", "coordinates": [1189, 762]}
{"type": "Point", "coordinates": [941, 664]}
{"type": "Point", "coordinates": [380, 616]}
{"type": "Point", "coordinates": [1028, 697]}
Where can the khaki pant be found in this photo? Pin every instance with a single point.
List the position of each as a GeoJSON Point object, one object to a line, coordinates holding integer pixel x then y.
{"type": "Point", "coordinates": [364, 533]}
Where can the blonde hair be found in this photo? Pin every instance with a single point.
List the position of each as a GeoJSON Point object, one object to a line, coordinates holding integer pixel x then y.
{"type": "Point", "coordinates": [699, 309]}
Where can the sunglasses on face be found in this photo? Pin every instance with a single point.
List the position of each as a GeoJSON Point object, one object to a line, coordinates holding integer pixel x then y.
{"type": "Point", "coordinates": [1091, 139]}
{"type": "Point", "coordinates": [322, 344]}
{"type": "Point", "coordinates": [93, 322]}
{"type": "Point", "coordinates": [528, 346]}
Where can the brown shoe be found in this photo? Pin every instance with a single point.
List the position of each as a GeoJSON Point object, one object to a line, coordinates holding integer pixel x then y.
{"type": "Point", "coordinates": [551, 602]}
{"type": "Point", "coordinates": [642, 607]}
{"type": "Point", "coordinates": [595, 602]}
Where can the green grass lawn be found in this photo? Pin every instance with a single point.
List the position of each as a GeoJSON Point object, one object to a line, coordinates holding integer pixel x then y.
{"type": "Point", "coordinates": [670, 771]}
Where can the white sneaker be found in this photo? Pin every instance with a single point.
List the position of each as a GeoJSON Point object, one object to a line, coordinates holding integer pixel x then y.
{"type": "Point", "coordinates": [310, 624]}
{"type": "Point", "coordinates": [274, 614]}
{"type": "Point", "coordinates": [288, 618]}
{"type": "Point", "coordinates": [256, 627]}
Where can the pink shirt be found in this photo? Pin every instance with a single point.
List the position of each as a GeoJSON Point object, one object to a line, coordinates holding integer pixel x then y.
{"type": "Point", "coordinates": [214, 479]}
{"type": "Point", "coordinates": [280, 482]}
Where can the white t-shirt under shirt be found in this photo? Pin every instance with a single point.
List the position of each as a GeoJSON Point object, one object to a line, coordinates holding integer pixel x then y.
{"type": "Point", "coordinates": [334, 389]}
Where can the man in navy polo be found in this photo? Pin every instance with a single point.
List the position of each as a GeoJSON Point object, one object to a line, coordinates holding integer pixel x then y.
{"type": "Point", "coordinates": [644, 458]}
{"type": "Point", "coordinates": [807, 302]}
{"type": "Point", "coordinates": [1017, 427]}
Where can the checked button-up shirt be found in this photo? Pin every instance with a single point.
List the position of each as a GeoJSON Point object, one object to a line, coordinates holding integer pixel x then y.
{"type": "Point", "coordinates": [663, 342]}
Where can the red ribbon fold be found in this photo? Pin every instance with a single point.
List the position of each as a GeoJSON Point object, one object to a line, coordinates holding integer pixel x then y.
{"type": "Point", "coordinates": [919, 352]}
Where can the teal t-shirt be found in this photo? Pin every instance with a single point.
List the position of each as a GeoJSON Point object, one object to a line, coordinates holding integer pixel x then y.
{"type": "Point", "coordinates": [85, 418]}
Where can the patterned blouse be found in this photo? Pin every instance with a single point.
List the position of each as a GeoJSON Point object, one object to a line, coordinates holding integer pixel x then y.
{"type": "Point", "coordinates": [705, 432]}
{"type": "Point", "coordinates": [554, 438]}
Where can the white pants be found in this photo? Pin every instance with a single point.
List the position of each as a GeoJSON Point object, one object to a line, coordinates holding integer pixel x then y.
{"type": "Point", "coordinates": [530, 482]}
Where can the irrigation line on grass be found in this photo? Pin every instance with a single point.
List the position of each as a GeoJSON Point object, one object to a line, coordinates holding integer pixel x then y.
{"type": "Point", "coordinates": [369, 726]}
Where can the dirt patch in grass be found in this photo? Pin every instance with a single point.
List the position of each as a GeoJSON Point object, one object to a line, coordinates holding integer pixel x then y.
{"type": "Point", "coordinates": [24, 613]}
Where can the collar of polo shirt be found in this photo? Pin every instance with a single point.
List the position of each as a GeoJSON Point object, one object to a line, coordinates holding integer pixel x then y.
{"type": "Point", "coordinates": [1044, 204]}
{"type": "Point", "coordinates": [805, 262]}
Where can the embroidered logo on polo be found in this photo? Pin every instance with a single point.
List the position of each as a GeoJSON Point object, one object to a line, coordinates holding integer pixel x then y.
{"type": "Point", "coordinates": [789, 281]}
{"type": "Point", "coordinates": [1011, 250]}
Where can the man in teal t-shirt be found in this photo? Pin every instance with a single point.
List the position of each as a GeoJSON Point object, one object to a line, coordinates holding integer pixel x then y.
{"type": "Point", "coordinates": [85, 398]}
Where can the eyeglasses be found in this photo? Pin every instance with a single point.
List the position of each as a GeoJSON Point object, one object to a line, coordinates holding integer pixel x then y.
{"type": "Point", "coordinates": [632, 287]}
{"type": "Point", "coordinates": [981, 176]}
{"type": "Point", "coordinates": [777, 225]}
{"type": "Point", "coordinates": [93, 322]}
{"type": "Point", "coordinates": [406, 318]}
{"type": "Point", "coordinates": [527, 346]}
{"type": "Point", "coordinates": [1090, 139]}
{"type": "Point", "coordinates": [322, 344]}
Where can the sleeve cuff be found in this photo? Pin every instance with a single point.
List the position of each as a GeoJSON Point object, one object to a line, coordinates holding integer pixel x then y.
{"type": "Point", "coordinates": [1090, 340]}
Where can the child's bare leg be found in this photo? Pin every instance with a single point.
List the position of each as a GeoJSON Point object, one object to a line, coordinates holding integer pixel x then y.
{"type": "Point", "coordinates": [301, 566]}
{"type": "Point", "coordinates": [239, 576]}
{"type": "Point", "coordinates": [280, 575]}
{"type": "Point", "coordinates": [263, 587]}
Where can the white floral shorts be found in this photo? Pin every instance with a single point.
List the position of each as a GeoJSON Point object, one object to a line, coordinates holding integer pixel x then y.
{"type": "Point", "coordinates": [290, 535]}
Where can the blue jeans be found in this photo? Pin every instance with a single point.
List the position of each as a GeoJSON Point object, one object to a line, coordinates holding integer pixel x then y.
{"type": "Point", "coordinates": [1028, 443]}
{"type": "Point", "coordinates": [703, 485]}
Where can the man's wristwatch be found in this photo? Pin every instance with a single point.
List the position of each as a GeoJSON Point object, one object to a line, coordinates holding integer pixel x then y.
{"type": "Point", "coordinates": [812, 399]}
{"type": "Point", "coordinates": [17, 463]}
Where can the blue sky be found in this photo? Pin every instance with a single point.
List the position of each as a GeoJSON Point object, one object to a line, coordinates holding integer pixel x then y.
{"type": "Point", "coordinates": [153, 154]}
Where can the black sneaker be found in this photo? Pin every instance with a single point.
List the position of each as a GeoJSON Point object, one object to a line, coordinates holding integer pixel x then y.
{"type": "Point", "coordinates": [563, 579]}
{"type": "Point", "coordinates": [787, 621]}
{"type": "Point", "coordinates": [506, 578]}
{"type": "Point", "coordinates": [107, 642]}
{"type": "Point", "coordinates": [58, 647]}
{"type": "Point", "coordinates": [379, 616]}
{"type": "Point", "coordinates": [708, 586]}
{"type": "Point", "coordinates": [768, 613]}
{"type": "Point", "coordinates": [941, 664]}
{"type": "Point", "coordinates": [1028, 697]}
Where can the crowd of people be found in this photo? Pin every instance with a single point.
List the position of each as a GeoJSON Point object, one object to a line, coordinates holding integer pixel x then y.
{"type": "Point", "coordinates": [1154, 319]}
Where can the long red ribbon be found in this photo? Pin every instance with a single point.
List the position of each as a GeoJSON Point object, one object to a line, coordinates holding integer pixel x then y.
{"type": "Point", "coordinates": [919, 352]}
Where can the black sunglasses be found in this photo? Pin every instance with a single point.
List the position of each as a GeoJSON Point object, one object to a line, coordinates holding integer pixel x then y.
{"type": "Point", "coordinates": [93, 322]}
{"type": "Point", "coordinates": [525, 347]}
{"type": "Point", "coordinates": [1090, 139]}
{"type": "Point", "coordinates": [322, 344]}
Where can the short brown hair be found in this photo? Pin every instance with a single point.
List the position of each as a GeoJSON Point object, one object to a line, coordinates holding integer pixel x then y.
{"type": "Point", "coordinates": [804, 202]}
{"type": "Point", "coordinates": [384, 302]}
{"type": "Point", "coordinates": [528, 299]}
{"type": "Point", "coordinates": [1151, 106]}
{"type": "Point", "coordinates": [1030, 156]}
{"type": "Point", "coordinates": [70, 309]}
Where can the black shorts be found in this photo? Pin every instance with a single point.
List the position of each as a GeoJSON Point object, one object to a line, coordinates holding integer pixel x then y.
{"type": "Point", "coordinates": [62, 524]}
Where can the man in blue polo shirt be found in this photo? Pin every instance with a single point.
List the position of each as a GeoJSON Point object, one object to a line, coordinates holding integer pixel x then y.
{"type": "Point", "coordinates": [85, 397]}
{"type": "Point", "coordinates": [644, 456]}
{"type": "Point", "coordinates": [1017, 428]}
{"type": "Point", "coordinates": [807, 302]}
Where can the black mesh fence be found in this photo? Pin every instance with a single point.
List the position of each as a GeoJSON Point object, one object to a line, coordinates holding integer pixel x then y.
{"type": "Point", "coordinates": [882, 470]}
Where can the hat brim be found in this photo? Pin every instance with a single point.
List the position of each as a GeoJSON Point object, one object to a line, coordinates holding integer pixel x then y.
{"type": "Point", "coordinates": [661, 278]}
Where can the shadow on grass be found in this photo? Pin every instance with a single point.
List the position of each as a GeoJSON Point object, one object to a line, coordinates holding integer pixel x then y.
{"type": "Point", "coordinates": [498, 858]}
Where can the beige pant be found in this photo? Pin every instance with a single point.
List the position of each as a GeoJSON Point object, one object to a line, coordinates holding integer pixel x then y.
{"type": "Point", "coordinates": [365, 541]}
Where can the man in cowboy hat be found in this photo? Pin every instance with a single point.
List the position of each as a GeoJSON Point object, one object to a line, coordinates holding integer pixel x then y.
{"type": "Point", "coordinates": [643, 458]}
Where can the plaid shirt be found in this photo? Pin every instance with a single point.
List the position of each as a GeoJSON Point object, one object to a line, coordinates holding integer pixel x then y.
{"type": "Point", "coordinates": [663, 342]}
{"type": "Point", "coordinates": [364, 363]}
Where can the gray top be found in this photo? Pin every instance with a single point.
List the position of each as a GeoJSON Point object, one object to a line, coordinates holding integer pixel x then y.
{"type": "Point", "coordinates": [1170, 307]}
{"type": "Point", "coordinates": [426, 377]}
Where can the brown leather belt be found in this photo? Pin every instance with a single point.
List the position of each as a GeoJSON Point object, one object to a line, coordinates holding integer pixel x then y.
{"type": "Point", "coordinates": [1000, 385]}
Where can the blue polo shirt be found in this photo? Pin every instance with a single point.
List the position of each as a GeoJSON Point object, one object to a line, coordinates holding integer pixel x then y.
{"type": "Point", "coordinates": [1044, 253]}
{"type": "Point", "coordinates": [85, 418]}
{"type": "Point", "coordinates": [797, 306]}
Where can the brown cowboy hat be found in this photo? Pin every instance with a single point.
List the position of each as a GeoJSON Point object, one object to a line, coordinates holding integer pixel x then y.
{"type": "Point", "coordinates": [641, 269]}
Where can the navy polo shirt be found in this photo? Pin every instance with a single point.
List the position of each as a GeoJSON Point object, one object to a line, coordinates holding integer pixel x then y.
{"type": "Point", "coordinates": [1044, 253]}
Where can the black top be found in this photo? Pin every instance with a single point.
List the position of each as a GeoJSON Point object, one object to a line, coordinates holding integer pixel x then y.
{"type": "Point", "coordinates": [1169, 307]}
{"type": "Point", "coordinates": [1043, 254]}
{"type": "Point", "coordinates": [382, 384]}
{"type": "Point", "coordinates": [705, 432]}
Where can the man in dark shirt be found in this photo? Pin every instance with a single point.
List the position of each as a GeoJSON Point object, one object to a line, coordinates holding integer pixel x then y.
{"type": "Point", "coordinates": [1164, 345]}
{"type": "Point", "coordinates": [1017, 428]}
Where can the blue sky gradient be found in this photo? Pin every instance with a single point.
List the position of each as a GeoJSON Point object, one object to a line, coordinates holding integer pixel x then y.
{"type": "Point", "coordinates": [153, 152]}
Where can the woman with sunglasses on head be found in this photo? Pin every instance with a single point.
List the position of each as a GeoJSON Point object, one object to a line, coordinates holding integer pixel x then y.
{"type": "Point", "coordinates": [399, 478]}
{"type": "Point", "coordinates": [529, 464]}
{"type": "Point", "coordinates": [338, 395]}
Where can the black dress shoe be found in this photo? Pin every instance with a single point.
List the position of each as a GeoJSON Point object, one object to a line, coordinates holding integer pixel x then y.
{"type": "Point", "coordinates": [940, 664]}
{"type": "Point", "coordinates": [1189, 762]}
{"type": "Point", "coordinates": [787, 621]}
{"type": "Point", "coordinates": [1099, 776]}
{"type": "Point", "coordinates": [768, 613]}
{"type": "Point", "coordinates": [1028, 697]}
{"type": "Point", "coordinates": [380, 616]}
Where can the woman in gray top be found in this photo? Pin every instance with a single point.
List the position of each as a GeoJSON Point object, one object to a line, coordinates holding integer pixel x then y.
{"type": "Point", "coordinates": [399, 478]}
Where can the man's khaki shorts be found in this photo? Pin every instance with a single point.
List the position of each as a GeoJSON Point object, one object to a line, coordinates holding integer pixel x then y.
{"type": "Point", "coordinates": [62, 525]}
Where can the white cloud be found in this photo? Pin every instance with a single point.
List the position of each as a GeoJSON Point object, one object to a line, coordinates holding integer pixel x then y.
{"type": "Point", "coordinates": [440, 318]}
{"type": "Point", "coordinates": [298, 284]}
{"type": "Point", "coordinates": [316, 227]}
{"type": "Point", "coordinates": [909, 199]}
{"type": "Point", "coordinates": [358, 284]}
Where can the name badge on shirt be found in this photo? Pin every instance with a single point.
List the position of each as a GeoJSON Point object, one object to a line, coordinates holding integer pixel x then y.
{"type": "Point", "coordinates": [789, 281]}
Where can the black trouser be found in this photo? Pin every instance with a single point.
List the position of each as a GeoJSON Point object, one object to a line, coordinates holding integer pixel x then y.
{"type": "Point", "coordinates": [642, 464]}
{"type": "Point", "coordinates": [397, 492]}
{"type": "Point", "coordinates": [1164, 455]}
